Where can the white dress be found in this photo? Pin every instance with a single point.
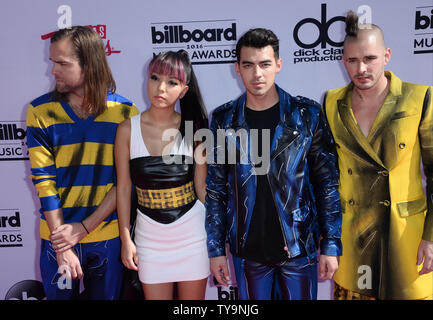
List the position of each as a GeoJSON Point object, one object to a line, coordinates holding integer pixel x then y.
{"type": "Point", "coordinates": [175, 251]}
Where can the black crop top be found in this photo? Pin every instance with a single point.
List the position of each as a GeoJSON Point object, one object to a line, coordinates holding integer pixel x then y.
{"type": "Point", "coordinates": [165, 190]}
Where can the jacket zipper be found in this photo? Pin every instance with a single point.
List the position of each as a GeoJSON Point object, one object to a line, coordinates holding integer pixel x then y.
{"type": "Point", "coordinates": [237, 208]}
{"type": "Point", "coordinates": [273, 197]}
{"type": "Point", "coordinates": [279, 218]}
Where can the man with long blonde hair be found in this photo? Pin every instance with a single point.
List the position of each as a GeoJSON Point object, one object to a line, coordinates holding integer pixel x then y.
{"type": "Point", "coordinates": [71, 134]}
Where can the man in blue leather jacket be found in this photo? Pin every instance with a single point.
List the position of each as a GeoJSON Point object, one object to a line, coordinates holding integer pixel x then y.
{"type": "Point", "coordinates": [272, 185]}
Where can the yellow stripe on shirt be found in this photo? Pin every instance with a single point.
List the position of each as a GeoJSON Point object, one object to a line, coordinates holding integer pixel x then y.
{"type": "Point", "coordinates": [88, 153]}
{"type": "Point", "coordinates": [117, 113]}
{"type": "Point", "coordinates": [83, 196]}
{"type": "Point", "coordinates": [49, 113]}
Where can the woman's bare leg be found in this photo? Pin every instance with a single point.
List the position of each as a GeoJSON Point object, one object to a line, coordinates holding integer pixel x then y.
{"type": "Point", "coordinates": [192, 290]}
{"type": "Point", "coordinates": [158, 291]}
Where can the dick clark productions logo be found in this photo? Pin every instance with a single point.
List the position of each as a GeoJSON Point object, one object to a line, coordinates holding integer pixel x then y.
{"type": "Point", "coordinates": [309, 52]}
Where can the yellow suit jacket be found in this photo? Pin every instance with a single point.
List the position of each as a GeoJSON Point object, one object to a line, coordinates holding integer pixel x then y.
{"type": "Point", "coordinates": [385, 210]}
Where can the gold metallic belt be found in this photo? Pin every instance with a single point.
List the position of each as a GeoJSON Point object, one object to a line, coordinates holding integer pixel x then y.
{"type": "Point", "coordinates": [166, 198]}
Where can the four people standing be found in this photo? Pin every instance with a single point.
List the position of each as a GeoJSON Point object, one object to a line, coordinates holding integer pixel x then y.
{"type": "Point", "coordinates": [271, 187]}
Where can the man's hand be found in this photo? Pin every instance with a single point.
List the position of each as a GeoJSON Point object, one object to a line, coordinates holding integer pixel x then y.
{"type": "Point", "coordinates": [220, 270]}
{"type": "Point", "coordinates": [327, 266]}
{"type": "Point", "coordinates": [66, 236]}
{"type": "Point", "coordinates": [69, 264]}
{"type": "Point", "coordinates": [425, 252]}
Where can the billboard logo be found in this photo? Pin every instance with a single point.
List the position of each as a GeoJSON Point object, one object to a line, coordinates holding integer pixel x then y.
{"type": "Point", "coordinates": [10, 227]}
{"type": "Point", "coordinates": [231, 294]}
{"type": "Point", "coordinates": [207, 42]}
{"type": "Point", "coordinates": [10, 131]}
{"type": "Point", "coordinates": [177, 34]}
{"type": "Point", "coordinates": [423, 21]}
{"type": "Point", "coordinates": [226, 293]}
{"type": "Point", "coordinates": [423, 42]}
{"type": "Point", "coordinates": [13, 142]}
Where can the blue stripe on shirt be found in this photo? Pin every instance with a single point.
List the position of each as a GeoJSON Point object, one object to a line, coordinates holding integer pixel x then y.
{"type": "Point", "coordinates": [84, 175]}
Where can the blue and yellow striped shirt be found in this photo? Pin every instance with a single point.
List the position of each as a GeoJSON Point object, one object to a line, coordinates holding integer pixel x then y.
{"type": "Point", "coordinates": [72, 160]}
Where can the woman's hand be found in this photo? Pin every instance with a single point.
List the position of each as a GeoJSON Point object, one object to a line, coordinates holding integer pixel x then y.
{"type": "Point", "coordinates": [129, 255]}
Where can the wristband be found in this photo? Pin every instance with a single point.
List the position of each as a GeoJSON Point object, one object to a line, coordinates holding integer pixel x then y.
{"type": "Point", "coordinates": [84, 227]}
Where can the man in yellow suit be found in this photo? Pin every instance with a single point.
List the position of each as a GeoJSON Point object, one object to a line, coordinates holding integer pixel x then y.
{"type": "Point", "coordinates": [383, 129]}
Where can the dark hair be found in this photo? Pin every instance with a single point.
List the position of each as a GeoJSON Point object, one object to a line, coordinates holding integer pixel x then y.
{"type": "Point", "coordinates": [98, 79]}
{"type": "Point", "coordinates": [178, 65]}
{"type": "Point", "coordinates": [258, 38]}
{"type": "Point", "coordinates": [352, 27]}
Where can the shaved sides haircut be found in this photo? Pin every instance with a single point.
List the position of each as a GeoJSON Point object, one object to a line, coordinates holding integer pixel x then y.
{"type": "Point", "coordinates": [356, 31]}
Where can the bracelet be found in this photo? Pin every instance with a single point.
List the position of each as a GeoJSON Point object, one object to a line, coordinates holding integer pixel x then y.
{"type": "Point", "coordinates": [84, 227]}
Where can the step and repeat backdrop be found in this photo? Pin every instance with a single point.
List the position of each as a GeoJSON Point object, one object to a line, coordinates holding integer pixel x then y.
{"type": "Point", "coordinates": [310, 33]}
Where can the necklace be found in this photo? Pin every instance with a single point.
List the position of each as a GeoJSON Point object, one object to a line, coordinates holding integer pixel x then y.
{"type": "Point", "coordinates": [78, 110]}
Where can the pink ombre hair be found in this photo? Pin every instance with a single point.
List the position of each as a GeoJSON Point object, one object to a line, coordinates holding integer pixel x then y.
{"type": "Point", "coordinates": [168, 64]}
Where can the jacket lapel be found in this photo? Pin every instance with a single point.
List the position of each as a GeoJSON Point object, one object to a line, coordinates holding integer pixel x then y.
{"type": "Point", "coordinates": [287, 129]}
{"type": "Point", "coordinates": [239, 137]}
{"type": "Point", "coordinates": [375, 146]}
{"type": "Point", "coordinates": [381, 137]}
{"type": "Point", "coordinates": [355, 140]}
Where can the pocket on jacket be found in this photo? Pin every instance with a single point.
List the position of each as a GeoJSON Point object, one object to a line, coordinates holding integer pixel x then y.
{"type": "Point", "coordinates": [410, 208]}
{"type": "Point", "coordinates": [402, 115]}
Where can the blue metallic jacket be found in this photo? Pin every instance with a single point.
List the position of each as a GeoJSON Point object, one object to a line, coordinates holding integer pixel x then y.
{"type": "Point", "coordinates": [303, 177]}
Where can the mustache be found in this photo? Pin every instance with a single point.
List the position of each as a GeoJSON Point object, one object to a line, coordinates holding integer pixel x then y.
{"type": "Point", "coordinates": [364, 75]}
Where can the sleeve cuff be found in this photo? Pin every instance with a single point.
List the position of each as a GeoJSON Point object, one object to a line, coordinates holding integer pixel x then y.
{"type": "Point", "coordinates": [331, 247]}
{"type": "Point", "coordinates": [215, 250]}
{"type": "Point", "coordinates": [50, 203]}
{"type": "Point", "coordinates": [428, 228]}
